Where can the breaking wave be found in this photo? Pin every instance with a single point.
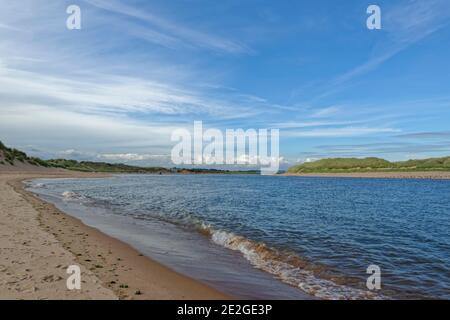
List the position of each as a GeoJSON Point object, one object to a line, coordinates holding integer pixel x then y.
{"type": "Point", "coordinates": [72, 196]}
{"type": "Point", "coordinates": [286, 266]}
{"type": "Point", "coordinates": [289, 268]}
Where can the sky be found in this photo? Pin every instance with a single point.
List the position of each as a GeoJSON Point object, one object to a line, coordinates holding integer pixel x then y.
{"type": "Point", "coordinates": [137, 70]}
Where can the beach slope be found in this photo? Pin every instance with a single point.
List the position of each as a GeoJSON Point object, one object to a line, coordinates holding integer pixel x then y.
{"type": "Point", "coordinates": [38, 242]}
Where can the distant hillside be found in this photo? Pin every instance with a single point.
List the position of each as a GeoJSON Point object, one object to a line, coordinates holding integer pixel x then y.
{"type": "Point", "coordinates": [89, 166]}
{"type": "Point", "coordinates": [370, 165]}
{"type": "Point", "coordinates": [15, 159]}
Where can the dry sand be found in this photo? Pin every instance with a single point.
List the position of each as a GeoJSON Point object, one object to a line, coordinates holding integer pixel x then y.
{"type": "Point", "coordinates": [38, 242]}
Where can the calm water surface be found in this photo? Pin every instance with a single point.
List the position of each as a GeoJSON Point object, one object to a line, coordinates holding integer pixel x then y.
{"type": "Point", "coordinates": [277, 237]}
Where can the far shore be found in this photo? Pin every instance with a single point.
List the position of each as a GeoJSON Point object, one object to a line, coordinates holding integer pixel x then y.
{"type": "Point", "coordinates": [39, 242]}
{"type": "Point", "coordinates": [445, 175]}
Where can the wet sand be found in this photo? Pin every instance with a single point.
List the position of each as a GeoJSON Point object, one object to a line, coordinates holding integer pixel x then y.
{"type": "Point", "coordinates": [38, 242]}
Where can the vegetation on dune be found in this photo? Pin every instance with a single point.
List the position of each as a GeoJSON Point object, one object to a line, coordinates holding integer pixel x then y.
{"type": "Point", "coordinates": [370, 165]}
{"type": "Point", "coordinates": [13, 156]}
{"type": "Point", "coordinates": [9, 155]}
{"type": "Point", "coordinates": [431, 163]}
{"type": "Point", "coordinates": [340, 164]}
{"type": "Point", "coordinates": [90, 166]}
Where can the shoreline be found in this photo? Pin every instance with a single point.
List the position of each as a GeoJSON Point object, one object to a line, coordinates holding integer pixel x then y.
{"type": "Point", "coordinates": [120, 270]}
{"type": "Point", "coordinates": [111, 268]}
{"type": "Point", "coordinates": [433, 175]}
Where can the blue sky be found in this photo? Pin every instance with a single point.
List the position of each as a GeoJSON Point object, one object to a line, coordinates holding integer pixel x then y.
{"type": "Point", "coordinates": [117, 88]}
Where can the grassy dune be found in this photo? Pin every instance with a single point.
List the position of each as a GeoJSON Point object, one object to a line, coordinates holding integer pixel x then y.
{"type": "Point", "coordinates": [9, 156]}
{"type": "Point", "coordinates": [90, 166]}
{"type": "Point", "coordinates": [371, 165]}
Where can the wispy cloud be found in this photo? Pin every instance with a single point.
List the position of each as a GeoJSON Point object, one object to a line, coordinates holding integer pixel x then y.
{"type": "Point", "coordinates": [107, 111]}
{"type": "Point", "coordinates": [109, 94]}
{"type": "Point", "coordinates": [426, 135]}
{"type": "Point", "coordinates": [382, 148]}
{"type": "Point", "coordinates": [325, 112]}
{"type": "Point", "coordinates": [8, 27]}
{"type": "Point", "coordinates": [404, 24]}
{"type": "Point", "coordinates": [310, 124]}
{"type": "Point", "coordinates": [169, 32]}
{"type": "Point", "coordinates": [338, 132]}
{"type": "Point", "coordinates": [117, 88]}
{"type": "Point", "coordinates": [26, 120]}
{"type": "Point", "coordinates": [127, 157]}
{"type": "Point", "coordinates": [97, 101]}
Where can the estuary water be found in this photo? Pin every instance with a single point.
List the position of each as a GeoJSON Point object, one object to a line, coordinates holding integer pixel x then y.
{"type": "Point", "coordinates": [273, 236]}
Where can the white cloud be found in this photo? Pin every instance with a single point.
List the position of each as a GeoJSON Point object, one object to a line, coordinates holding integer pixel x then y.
{"type": "Point", "coordinates": [251, 160]}
{"type": "Point", "coordinates": [338, 132]}
{"type": "Point", "coordinates": [109, 94]}
{"type": "Point", "coordinates": [405, 25]}
{"type": "Point", "coordinates": [325, 112]}
{"type": "Point", "coordinates": [8, 27]}
{"type": "Point", "coordinates": [126, 157]}
{"type": "Point", "coordinates": [312, 124]}
{"type": "Point", "coordinates": [170, 32]}
{"type": "Point", "coordinates": [62, 90]}
{"type": "Point", "coordinates": [62, 128]}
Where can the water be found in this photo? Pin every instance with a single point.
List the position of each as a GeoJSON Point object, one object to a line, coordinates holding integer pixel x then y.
{"type": "Point", "coordinates": [277, 237]}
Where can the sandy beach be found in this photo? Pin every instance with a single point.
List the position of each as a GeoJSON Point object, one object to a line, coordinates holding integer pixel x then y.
{"type": "Point", "coordinates": [38, 242]}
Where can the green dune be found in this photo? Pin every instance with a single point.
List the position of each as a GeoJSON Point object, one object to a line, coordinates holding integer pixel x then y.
{"type": "Point", "coordinates": [371, 165]}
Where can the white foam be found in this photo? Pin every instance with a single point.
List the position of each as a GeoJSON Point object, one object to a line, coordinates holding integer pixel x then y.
{"type": "Point", "coordinates": [268, 260]}
{"type": "Point", "coordinates": [70, 195]}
